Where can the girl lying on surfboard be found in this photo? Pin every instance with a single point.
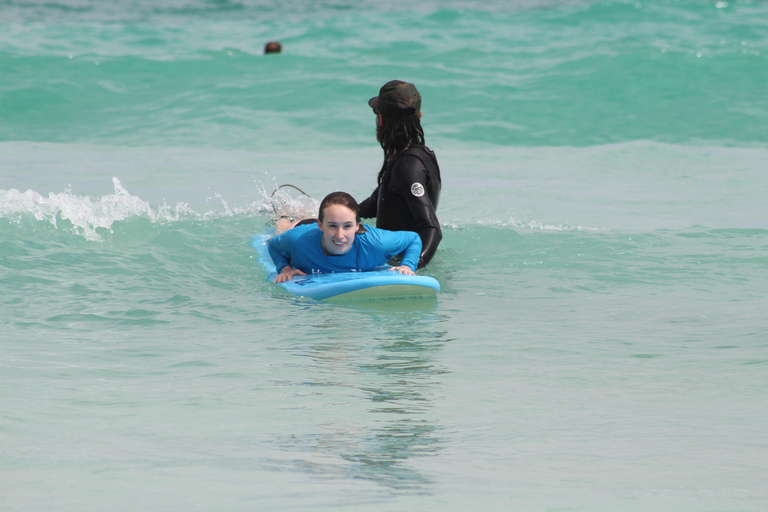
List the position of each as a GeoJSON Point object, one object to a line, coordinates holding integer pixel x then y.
{"type": "Point", "coordinates": [337, 242]}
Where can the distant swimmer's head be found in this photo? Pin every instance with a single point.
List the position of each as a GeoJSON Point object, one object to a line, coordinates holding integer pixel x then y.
{"type": "Point", "coordinates": [272, 47]}
{"type": "Point", "coordinates": [339, 222]}
{"type": "Point", "coordinates": [397, 99]}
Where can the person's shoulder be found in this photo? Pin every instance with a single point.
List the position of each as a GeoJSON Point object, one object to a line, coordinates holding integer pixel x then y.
{"type": "Point", "coordinates": [307, 227]}
{"type": "Point", "coordinates": [371, 233]}
{"type": "Point", "coordinates": [423, 153]}
{"type": "Point", "coordinates": [305, 230]}
{"type": "Point", "coordinates": [368, 230]}
{"type": "Point", "coordinates": [418, 151]}
{"type": "Point", "coordinates": [415, 160]}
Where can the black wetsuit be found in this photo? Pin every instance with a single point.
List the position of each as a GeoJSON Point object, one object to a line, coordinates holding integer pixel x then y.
{"type": "Point", "coordinates": [407, 198]}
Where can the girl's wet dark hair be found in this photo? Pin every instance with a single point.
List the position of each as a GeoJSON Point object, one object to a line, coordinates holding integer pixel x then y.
{"type": "Point", "coordinates": [343, 199]}
{"type": "Point", "coordinates": [396, 135]}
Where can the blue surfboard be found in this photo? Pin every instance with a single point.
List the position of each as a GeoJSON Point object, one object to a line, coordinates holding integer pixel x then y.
{"type": "Point", "coordinates": [375, 284]}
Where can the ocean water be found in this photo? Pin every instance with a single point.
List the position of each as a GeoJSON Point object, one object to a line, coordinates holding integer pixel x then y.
{"type": "Point", "coordinates": [600, 342]}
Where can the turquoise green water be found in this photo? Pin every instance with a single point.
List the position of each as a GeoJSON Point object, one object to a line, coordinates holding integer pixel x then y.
{"type": "Point", "coordinates": [599, 342]}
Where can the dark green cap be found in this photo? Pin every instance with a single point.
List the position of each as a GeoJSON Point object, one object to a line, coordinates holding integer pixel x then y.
{"type": "Point", "coordinates": [397, 98]}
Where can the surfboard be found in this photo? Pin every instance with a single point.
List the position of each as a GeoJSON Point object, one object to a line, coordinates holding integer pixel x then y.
{"type": "Point", "coordinates": [377, 284]}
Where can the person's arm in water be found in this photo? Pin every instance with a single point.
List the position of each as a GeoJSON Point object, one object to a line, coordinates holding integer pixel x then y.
{"type": "Point", "coordinates": [410, 177]}
{"type": "Point", "coordinates": [280, 252]}
{"type": "Point", "coordinates": [369, 207]}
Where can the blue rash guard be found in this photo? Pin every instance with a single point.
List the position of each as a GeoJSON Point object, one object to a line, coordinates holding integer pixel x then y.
{"type": "Point", "coordinates": [300, 248]}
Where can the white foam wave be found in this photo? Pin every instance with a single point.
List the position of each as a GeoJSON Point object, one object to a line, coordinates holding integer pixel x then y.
{"type": "Point", "coordinates": [86, 214]}
{"type": "Point", "coordinates": [525, 224]}
{"type": "Point", "coordinates": [91, 217]}
{"type": "Point", "coordinates": [542, 226]}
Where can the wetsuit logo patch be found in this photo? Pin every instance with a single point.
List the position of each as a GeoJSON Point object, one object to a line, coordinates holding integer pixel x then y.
{"type": "Point", "coordinates": [417, 189]}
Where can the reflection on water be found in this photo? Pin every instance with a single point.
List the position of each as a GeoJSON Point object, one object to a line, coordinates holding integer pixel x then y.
{"type": "Point", "coordinates": [382, 454]}
{"type": "Point", "coordinates": [373, 377]}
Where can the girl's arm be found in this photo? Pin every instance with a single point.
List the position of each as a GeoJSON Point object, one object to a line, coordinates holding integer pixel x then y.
{"type": "Point", "coordinates": [406, 242]}
{"type": "Point", "coordinates": [280, 255]}
{"type": "Point", "coordinates": [412, 250]}
{"type": "Point", "coordinates": [281, 250]}
{"type": "Point", "coordinates": [287, 273]}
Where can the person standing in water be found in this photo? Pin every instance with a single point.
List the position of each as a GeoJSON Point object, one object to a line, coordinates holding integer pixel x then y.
{"type": "Point", "coordinates": [408, 184]}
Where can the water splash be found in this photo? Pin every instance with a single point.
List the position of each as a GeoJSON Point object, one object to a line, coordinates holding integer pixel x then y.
{"type": "Point", "coordinates": [531, 225]}
{"type": "Point", "coordinates": [87, 214]}
{"type": "Point", "coordinates": [289, 202]}
{"type": "Point", "coordinates": [91, 217]}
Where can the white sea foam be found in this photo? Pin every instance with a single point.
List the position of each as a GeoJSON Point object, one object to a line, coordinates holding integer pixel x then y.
{"type": "Point", "coordinates": [532, 225]}
{"type": "Point", "coordinates": [543, 226]}
{"type": "Point", "coordinates": [89, 215]}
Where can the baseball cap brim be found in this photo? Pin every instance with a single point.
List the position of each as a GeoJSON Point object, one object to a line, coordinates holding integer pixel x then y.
{"type": "Point", "coordinates": [374, 103]}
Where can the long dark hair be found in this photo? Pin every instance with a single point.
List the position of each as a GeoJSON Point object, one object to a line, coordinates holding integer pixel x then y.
{"type": "Point", "coordinates": [343, 199]}
{"type": "Point", "coordinates": [398, 134]}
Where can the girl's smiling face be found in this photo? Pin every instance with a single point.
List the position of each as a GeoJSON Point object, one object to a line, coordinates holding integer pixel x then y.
{"type": "Point", "coordinates": [338, 227]}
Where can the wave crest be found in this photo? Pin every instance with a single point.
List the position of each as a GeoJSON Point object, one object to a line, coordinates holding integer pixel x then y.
{"type": "Point", "coordinates": [87, 214]}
